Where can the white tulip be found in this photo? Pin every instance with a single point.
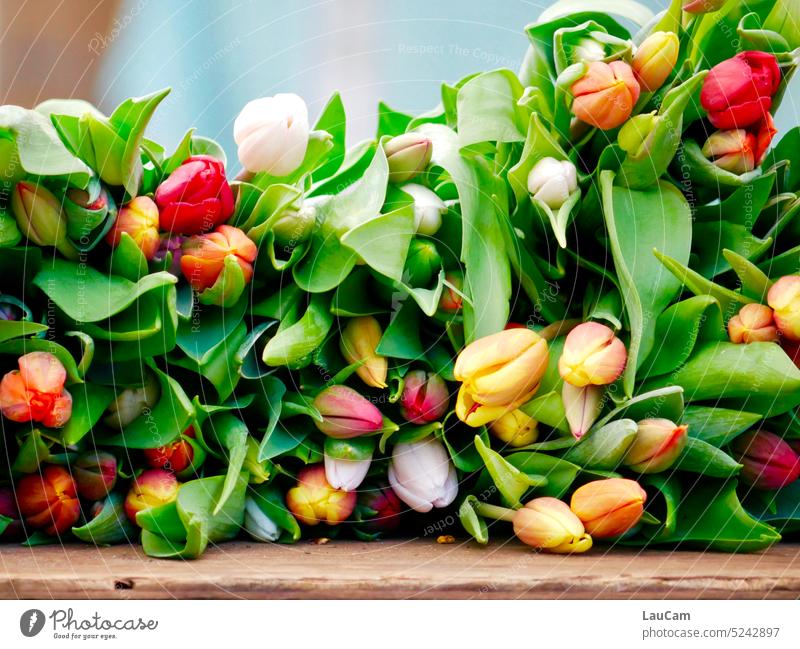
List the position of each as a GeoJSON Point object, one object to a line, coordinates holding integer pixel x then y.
{"type": "Point", "coordinates": [422, 475]}
{"type": "Point", "coordinates": [346, 474]}
{"type": "Point", "coordinates": [272, 134]}
{"type": "Point", "coordinates": [552, 181]}
{"type": "Point", "coordinates": [257, 524]}
{"type": "Point", "coordinates": [428, 209]}
{"type": "Point", "coordinates": [589, 50]}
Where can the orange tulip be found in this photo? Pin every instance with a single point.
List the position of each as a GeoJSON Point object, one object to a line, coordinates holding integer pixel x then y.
{"type": "Point", "coordinates": [592, 355]}
{"type": "Point", "coordinates": [36, 391]}
{"type": "Point", "coordinates": [314, 501]}
{"type": "Point", "coordinates": [548, 524]}
{"type": "Point", "coordinates": [151, 488]}
{"type": "Point", "coordinates": [138, 219]}
{"type": "Point", "coordinates": [49, 501]}
{"type": "Point", "coordinates": [204, 256]}
{"type": "Point", "coordinates": [784, 298]}
{"type": "Point", "coordinates": [609, 507]}
{"type": "Point", "coordinates": [605, 95]}
{"type": "Point", "coordinates": [753, 324]}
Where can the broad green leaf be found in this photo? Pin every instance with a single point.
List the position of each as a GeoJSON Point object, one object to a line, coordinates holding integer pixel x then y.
{"type": "Point", "coordinates": [509, 480]}
{"type": "Point", "coordinates": [471, 522]}
{"type": "Point", "coordinates": [230, 434]}
{"type": "Point", "coordinates": [382, 243]}
{"type": "Point", "coordinates": [89, 401]}
{"type": "Point", "coordinates": [333, 120]}
{"type": "Point", "coordinates": [111, 525]}
{"type": "Point", "coordinates": [605, 447]}
{"type": "Point", "coordinates": [705, 459]}
{"type": "Point", "coordinates": [489, 109]}
{"type": "Point", "coordinates": [19, 328]}
{"type": "Point", "coordinates": [293, 344]}
{"type": "Point", "coordinates": [717, 426]}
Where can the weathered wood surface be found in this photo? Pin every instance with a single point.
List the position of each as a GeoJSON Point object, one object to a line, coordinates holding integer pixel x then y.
{"type": "Point", "coordinates": [396, 569]}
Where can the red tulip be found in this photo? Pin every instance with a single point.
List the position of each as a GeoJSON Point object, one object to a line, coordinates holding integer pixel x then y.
{"type": "Point", "coordinates": [95, 474]}
{"type": "Point", "coordinates": [737, 93]}
{"type": "Point", "coordinates": [176, 456]}
{"type": "Point", "coordinates": [195, 198]}
{"type": "Point", "coordinates": [425, 398]}
{"type": "Point", "coordinates": [379, 509]}
{"type": "Point", "coordinates": [345, 413]}
{"type": "Point", "coordinates": [768, 462]}
{"type": "Point", "coordinates": [204, 256]}
{"type": "Point", "coordinates": [49, 501]}
{"type": "Point", "coordinates": [36, 391]}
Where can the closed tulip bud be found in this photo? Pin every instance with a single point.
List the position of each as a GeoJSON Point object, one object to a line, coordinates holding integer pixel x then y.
{"type": "Point", "coordinates": [732, 151]}
{"type": "Point", "coordinates": [139, 220]}
{"type": "Point", "coordinates": [588, 49]}
{"type": "Point", "coordinates": [195, 198]}
{"type": "Point", "coordinates": [422, 475]}
{"type": "Point", "coordinates": [205, 255]}
{"type": "Point", "coordinates": [753, 324]}
{"type": "Point", "coordinates": [515, 428]}
{"type": "Point", "coordinates": [257, 524]}
{"type": "Point", "coordinates": [582, 407]}
{"type": "Point", "coordinates": [637, 134]}
{"type": "Point", "coordinates": [658, 443]}
{"type": "Point", "coordinates": [784, 298]}
{"type": "Point", "coordinates": [347, 461]}
{"type": "Point", "coordinates": [151, 488]}
{"type": "Point", "coordinates": [768, 462]}
{"type": "Point", "coordinates": [83, 214]}
{"type": "Point", "coordinates": [609, 508]}
{"type": "Point", "coordinates": [738, 92]}
{"type": "Point", "coordinates": [428, 209]}
{"type": "Point", "coordinates": [451, 300]}
{"type": "Point", "coordinates": [178, 456]}
{"type": "Point", "coordinates": [345, 413]}
{"type": "Point", "coordinates": [40, 217]}
{"type": "Point", "coordinates": [36, 391]}
{"type": "Point", "coordinates": [605, 96]}
{"type": "Point", "coordinates": [477, 414]}
{"type": "Point", "coordinates": [703, 6]}
{"type": "Point", "coordinates": [504, 368]}
{"type": "Point", "coordinates": [295, 226]}
{"type": "Point", "coordinates": [315, 501]}
{"type": "Point", "coordinates": [408, 155]}
{"type": "Point", "coordinates": [422, 263]}
{"type": "Point", "coordinates": [655, 59]}
{"type": "Point", "coordinates": [49, 501]}
{"type": "Point", "coordinates": [379, 509]}
{"type": "Point", "coordinates": [552, 181]}
{"type": "Point", "coordinates": [425, 397]}
{"type": "Point", "coordinates": [592, 355]}
{"type": "Point", "coordinates": [358, 342]}
{"type": "Point", "coordinates": [8, 508]}
{"type": "Point", "coordinates": [132, 403]}
{"type": "Point", "coordinates": [95, 473]}
{"type": "Point", "coordinates": [272, 134]}
{"type": "Point", "coordinates": [548, 524]}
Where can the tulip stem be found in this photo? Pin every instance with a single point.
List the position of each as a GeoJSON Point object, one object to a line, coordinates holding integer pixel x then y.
{"type": "Point", "coordinates": [495, 511]}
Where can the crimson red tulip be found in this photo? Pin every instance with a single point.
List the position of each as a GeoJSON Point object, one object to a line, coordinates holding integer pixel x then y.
{"type": "Point", "coordinates": [768, 462]}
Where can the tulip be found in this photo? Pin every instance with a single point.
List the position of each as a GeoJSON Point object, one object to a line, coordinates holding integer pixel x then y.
{"type": "Point", "coordinates": [582, 406]}
{"type": "Point", "coordinates": [422, 475]}
{"type": "Point", "coordinates": [295, 226]}
{"type": "Point", "coordinates": [49, 501]}
{"type": "Point", "coordinates": [428, 209]}
{"type": "Point", "coordinates": [423, 261]}
{"type": "Point", "coordinates": [358, 342]}
{"type": "Point", "coordinates": [408, 155]}
{"type": "Point", "coordinates": [139, 220]}
{"type": "Point", "coordinates": [658, 443]}
{"type": "Point", "coordinates": [132, 403]}
{"type": "Point", "coordinates": [732, 151]}
{"type": "Point", "coordinates": [36, 391]}
{"type": "Point", "coordinates": [176, 456]}
{"type": "Point", "coordinates": [503, 368]}
{"type": "Point", "coordinates": [272, 134]}
{"type": "Point", "coordinates": [257, 524]}
{"type": "Point", "coordinates": [768, 462]}
{"type": "Point", "coordinates": [552, 181]}
{"type": "Point", "coordinates": [605, 95]}
{"type": "Point", "coordinates": [637, 135]}
{"type": "Point", "coordinates": [347, 461]}
{"type": "Point", "coordinates": [84, 215]}
{"type": "Point", "coordinates": [95, 474]}
{"type": "Point", "coordinates": [40, 217]}
{"type": "Point", "coordinates": [516, 429]}
{"type": "Point", "coordinates": [703, 6]}
{"type": "Point", "coordinates": [588, 49]}
{"type": "Point", "coordinates": [477, 414]}
{"type": "Point", "coordinates": [451, 300]}
{"type": "Point", "coordinates": [592, 355]}
{"type": "Point", "coordinates": [738, 92]}
{"type": "Point", "coordinates": [345, 413]}
{"type": "Point", "coordinates": [753, 324]}
{"type": "Point", "coordinates": [13, 530]}
{"type": "Point", "coordinates": [315, 501]}
{"type": "Point", "coordinates": [379, 509]}
{"type": "Point", "coordinates": [548, 524]}
{"type": "Point", "coordinates": [151, 488]}
{"type": "Point", "coordinates": [610, 507]}
{"type": "Point", "coordinates": [764, 131]}
{"type": "Point", "coordinates": [784, 298]}
{"type": "Point", "coordinates": [655, 59]}
{"type": "Point", "coordinates": [195, 198]}
{"type": "Point", "coordinates": [204, 256]}
{"type": "Point", "coordinates": [424, 398]}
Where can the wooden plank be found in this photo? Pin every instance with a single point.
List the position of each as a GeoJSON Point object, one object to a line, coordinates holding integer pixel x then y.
{"type": "Point", "coordinates": [396, 569]}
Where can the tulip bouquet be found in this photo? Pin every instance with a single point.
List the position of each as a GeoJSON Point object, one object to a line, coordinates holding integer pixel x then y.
{"type": "Point", "coordinates": [567, 298]}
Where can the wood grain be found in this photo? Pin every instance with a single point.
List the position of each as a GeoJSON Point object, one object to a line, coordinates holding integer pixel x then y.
{"type": "Point", "coordinates": [396, 569]}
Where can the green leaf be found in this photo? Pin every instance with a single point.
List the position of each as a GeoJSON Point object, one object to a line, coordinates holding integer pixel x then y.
{"type": "Point", "coordinates": [471, 522]}
{"type": "Point", "coordinates": [293, 344]}
{"type": "Point", "coordinates": [19, 328]}
{"type": "Point", "coordinates": [333, 120]}
{"type": "Point", "coordinates": [89, 402]}
{"type": "Point", "coordinates": [605, 447]}
{"type": "Point", "coordinates": [717, 426]}
{"type": "Point", "coordinates": [269, 500]}
{"type": "Point", "coordinates": [33, 451]}
{"type": "Point", "coordinates": [401, 338]}
{"type": "Point", "coordinates": [755, 282]}
{"type": "Point", "coordinates": [230, 434]}
{"type": "Point", "coordinates": [705, 459]}
{"type": "Point", "coordinates": [111, 525]}
{"type": "Point", "coordinates": [382, 243]}
{"type": "Point", "coordinates": [509, 480]}
{"type": "Point", "coordinates": [488, 109]}
{"type": "Point", "coordinates": [560, 474]}
{"type": "Point", "coordinates": [665, 402]}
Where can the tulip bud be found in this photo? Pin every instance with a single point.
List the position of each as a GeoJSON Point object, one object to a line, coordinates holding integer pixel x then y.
{"type": "Point", "coordinates": [151, 488]}
{"type": "Point", "coordinates": [195, 198]}
{"type": "Point", "coordinates": [637, 134]}
{"type": "Point", "coordinates": [768, 462]}
{"type": "Point", "coordinates": [8, 508]}
{"type": "Point", "coordinates": [40, 217]}
{"type": "Point", "coordinates": [358, 342]}
{"type": "Point", "coordinates": [605, 96]}
{"type": "Point", "coordinates": [315, 501]}
{"type": "Point", "coordinates": [422, 475]}
{"type": "Point", "coordinates": [582, 407]}
{"type": "Point", "coordinates": [177, 456]}
{"type": "Point", "coordinates": [407, 154]}
{"type": "Point", "coordinates": [132, 403]}
{"type": "Point", "coordinates": [592, 355]}
{"type": "Point", "coordinates": [732, 151]}
{"type": "Point", "coordinates": [425, 397]}
{"type": "Point", "coordinates": [588, 50]}
{"type": "Point", "coordinates": [345, 413]}
{"type": "Point", "coordinates": [784, 298]}
{"type": "Point", "coordinates": [655, 59]}
{"type": "Point", "coordinates": [422, 262]}
{"type": "Point", "coordinates": [477, 414]}
{"type": "Point", "coordinates": [139, 220]}
{"type": "Point", "coordinates": [451, 300]}
{"type": "Point", "coordinates": [295, 226]}
{"type": "Point", "coordinates": [272, 134]}
{"type": "Point", "coordinates": [378, 509]}
{"type": "Point", "coordinates": [515, 428]}
{"type": "Point", "coordinates": [36, 392]}
{"type": "Point", "coordinates": [703, 6]}
{"type": "Point", "coordinates": [753, 324]}
{"type": "Point", "coordinates": [609, 508]}
{"type": "Point", "coordinates": [658, 443]}
{"type": "Point", "coordinates": [84, 215]}
{"type": "Point", "coordinates": [49, 501]}
{"type": "Point", "coordinates": [428, 209]}
{"type": "Point", "coordinates": [548, 524]}
{"type": "Point", "coordinates": [347, 461]}
{"type": "Point", "coordinates": [95, 474]}
{"type": "Point", "coordinates": [552, 181]}
{"type": "Point", "coordinates": [504, 368]}
{"type": "Point", "coordinates": [257, 524]}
